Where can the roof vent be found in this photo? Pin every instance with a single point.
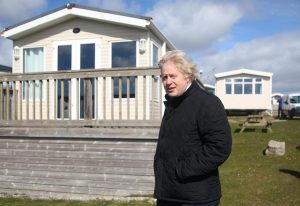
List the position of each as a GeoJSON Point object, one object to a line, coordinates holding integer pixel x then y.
{"type": "Point", "coordinates": [70, 5]}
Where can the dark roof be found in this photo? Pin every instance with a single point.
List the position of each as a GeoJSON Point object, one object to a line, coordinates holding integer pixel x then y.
{"type": "Point", "coordinates": [71, 5]}
{"type": "Point", "coordinates": [5, 68]}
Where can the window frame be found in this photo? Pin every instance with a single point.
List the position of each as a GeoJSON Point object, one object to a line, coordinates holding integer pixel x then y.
{"type": "Point", "coordinates": [153, 43]}
{"type": "Point", "coordinates": [136, 65]}
{"type": "Point", "coordinates": [235, 84]}
{"type": "Point", "coordinates": [37, 97]}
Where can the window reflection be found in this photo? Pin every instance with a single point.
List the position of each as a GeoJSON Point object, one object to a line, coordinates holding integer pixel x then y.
{"type": "Point", "coordinates": [124, 55]}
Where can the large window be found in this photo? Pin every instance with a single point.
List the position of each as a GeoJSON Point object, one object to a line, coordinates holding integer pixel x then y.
{"type": "Point", "coordinates": [154, 55]}
{"type": "Point", "coordinates": [243, 85]}
{"type": "Point", "coordinates": [124, 55]}
{"type": "Point", "coordinates": [33, 61]}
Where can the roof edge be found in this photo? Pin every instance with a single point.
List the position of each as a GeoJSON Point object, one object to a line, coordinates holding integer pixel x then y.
{"type": "Point", "coordinates": [243, 71]}
{"type": "Point", "coordinates": [73, 5]}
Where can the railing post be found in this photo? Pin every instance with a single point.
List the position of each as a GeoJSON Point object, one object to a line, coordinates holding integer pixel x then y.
{"type": "Point", "coordinates": [27, 98]}
{"type": "Point", "coordinates": [15, 101]}
{"type": "Point", "coordinates": [21, 99]}
{"type": "Point", "coordinates": [33, 98]}
{"type": "Point", "coordinates": [41, 98]}
{"type": "Point", "coordinates": [1, 101]}
{"type": "Point", "coordinates": [48, 99]}
{"type": "Point", "coordinates": [23, 90]}
{"type": "Point", "coordinates": [88, 101]}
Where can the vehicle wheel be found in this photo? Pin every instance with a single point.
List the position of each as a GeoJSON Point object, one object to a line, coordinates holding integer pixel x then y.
{"type": "Point", "coordinates": [291, 114]}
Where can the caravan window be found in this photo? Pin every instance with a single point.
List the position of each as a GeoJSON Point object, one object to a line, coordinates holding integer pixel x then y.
{"type": "Point", "coordinates": [124, 55]}
{"type": "Point", "coordinates": [243, 85]}
{"type": "Point", "coordinates": [33, 61]}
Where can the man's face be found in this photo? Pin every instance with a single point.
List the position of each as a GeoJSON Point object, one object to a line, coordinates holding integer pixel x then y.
{"type": "Point", "coordinates": [175, 83]}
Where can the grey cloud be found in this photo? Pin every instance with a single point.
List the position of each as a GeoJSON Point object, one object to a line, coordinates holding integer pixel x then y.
{"type": "Point", "coordinates": [279, 54]}
{"type": "Point", "coordinates": [115, 5]}
{"type": "Point", "coordinates": [13, 11]}
{"type": "Point", "coordinates": [195, 25]}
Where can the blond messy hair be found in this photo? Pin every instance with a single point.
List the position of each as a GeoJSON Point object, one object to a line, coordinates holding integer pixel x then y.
{"type": "Point", "coordinates": [182, 62]}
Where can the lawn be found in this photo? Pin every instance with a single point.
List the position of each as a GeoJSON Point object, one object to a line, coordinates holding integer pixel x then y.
{"type": "Point", "coordinates": [248, 177]}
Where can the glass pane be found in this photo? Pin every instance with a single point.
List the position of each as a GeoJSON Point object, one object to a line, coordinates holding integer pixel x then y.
{"type": "Point", "coordinates": [65, 98]}
{"type": "Point", "coordinates": [258, 79]}
{"type": "Point", "coordinates": [227, 80]}
{"type": "Point", "coordinates": [248, 89]}
{"type": "Point", "coordinates": [238, 89]}
{"type": "Point", "coordinates": [238, 80]}
{"type": "Point", "coordinates": [258, 89]}
{"type": "Point", "coordinates": [87, 56]}
{"type": "Point", "coordinates": [154, 55]}
{"type": "Point", "coordinates": [124, 55]}
{"type": "Point", "coordinates": [247, 80]}
{"type": "Point", "coordinates": [33, 61]}
{"type": "Point", "coordinates": [87, 61]}
{"type": "Point", "coordinates": [64, 63]}
{"type": "Point", "coordinates": [64, 59]}
{"type": "Point", "coordinates": [228, 88]}
{"type": "Point", "coordinates": [296, 98]}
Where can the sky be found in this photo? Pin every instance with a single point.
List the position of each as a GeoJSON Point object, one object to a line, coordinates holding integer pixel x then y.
{"type": "Point", "coordinates": [218, 35]}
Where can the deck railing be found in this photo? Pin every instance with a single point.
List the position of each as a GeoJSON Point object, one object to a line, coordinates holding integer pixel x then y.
{"type": "Point", "coordinates": [90, 97]}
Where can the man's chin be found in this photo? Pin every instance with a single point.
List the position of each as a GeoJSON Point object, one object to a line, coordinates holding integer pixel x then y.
{"type": "Point", "coordinates": [172, 95]}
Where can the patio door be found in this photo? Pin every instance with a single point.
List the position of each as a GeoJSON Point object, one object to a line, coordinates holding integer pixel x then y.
{"type": "Point", "coordinates": [87, 61]}
{"type": "Point", "coordinates": [76, 55]}
{"type": "Point", "coordinates": [64, 63]}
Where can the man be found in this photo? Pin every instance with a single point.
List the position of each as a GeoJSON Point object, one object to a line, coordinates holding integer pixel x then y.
{"type": "Point", "coordinates": [279, 101]}
{"type": "Point", "coordinates": [194, 138]}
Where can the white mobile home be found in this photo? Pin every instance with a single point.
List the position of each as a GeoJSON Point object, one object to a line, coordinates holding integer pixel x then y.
{"type": "Point", "coordinates": [80, 39]}
{"type": "Point", "coordinates": [245, 90]}
{"type": "Point", "coordinates": [82, 108]}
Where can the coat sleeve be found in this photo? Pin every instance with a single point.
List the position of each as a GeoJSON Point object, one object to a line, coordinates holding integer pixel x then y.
{"type": "Point", "coordinates": [215, 134]}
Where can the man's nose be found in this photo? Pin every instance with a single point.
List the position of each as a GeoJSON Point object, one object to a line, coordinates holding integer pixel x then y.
{"type": "Point", "coordinates": [168, 80]}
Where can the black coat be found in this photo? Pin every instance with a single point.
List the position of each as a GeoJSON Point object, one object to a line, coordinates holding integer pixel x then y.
{"type": "Point", "coordinates": [194, 139]}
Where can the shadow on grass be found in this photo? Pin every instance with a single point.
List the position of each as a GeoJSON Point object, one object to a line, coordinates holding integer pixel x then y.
{"type": "Point", "coordinates": [291, 172]}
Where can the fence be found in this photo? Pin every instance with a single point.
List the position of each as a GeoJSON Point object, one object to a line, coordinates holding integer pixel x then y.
{"type": "Point", "coordinates": [93, 97]}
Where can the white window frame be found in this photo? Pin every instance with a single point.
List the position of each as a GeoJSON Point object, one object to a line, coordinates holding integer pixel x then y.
{"type": "Point", "coordinates": [75, 65]}
{"type": "Point", "coordinates": [43, 69]}
{"type": "Point", "coordinates": [136, 57]}
{"type": "Point", "coordinates": [153, 43]}
{"type": "Point", "coordinates": [232, 82]}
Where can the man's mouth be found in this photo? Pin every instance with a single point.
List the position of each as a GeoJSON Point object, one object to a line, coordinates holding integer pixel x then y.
{"type": "Point", "coordinates": [171, 89]}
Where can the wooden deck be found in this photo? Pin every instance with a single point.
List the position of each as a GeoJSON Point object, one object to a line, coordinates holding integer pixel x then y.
{"type": "Point", "coordinates": [94, 95]}
{"type": "Point", "coordinates": [98, 165]}
{"type": "Point", "coordinates": [50, 149]}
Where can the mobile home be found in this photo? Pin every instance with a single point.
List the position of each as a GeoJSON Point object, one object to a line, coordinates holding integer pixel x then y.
{"type": "Point", "coordinates": [244, 90]}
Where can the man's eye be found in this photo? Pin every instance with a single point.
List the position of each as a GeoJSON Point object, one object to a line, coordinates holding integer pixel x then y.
{"type": "Point", "coordinates": [173, 76]}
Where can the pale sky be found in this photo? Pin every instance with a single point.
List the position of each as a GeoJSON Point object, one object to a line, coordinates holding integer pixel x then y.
{"type": "Point", "coordinates": [218, 35]}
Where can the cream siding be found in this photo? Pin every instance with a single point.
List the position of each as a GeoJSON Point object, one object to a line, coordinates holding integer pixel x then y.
{"type": "Point", "coordinates": [103, 33]}
{"type": "Point", "coordinates": [245, 101]}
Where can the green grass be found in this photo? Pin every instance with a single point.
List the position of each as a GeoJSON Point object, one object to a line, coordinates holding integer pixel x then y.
{"type": "Point", "coordinates": [248, 177]}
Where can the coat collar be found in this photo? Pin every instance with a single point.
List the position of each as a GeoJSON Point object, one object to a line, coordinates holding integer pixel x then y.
{"type": "Point", "coordinates": [176, 100]}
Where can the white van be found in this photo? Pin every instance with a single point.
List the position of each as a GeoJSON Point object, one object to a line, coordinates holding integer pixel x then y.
{"type": "Point", "coordinates": [291, 105]}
